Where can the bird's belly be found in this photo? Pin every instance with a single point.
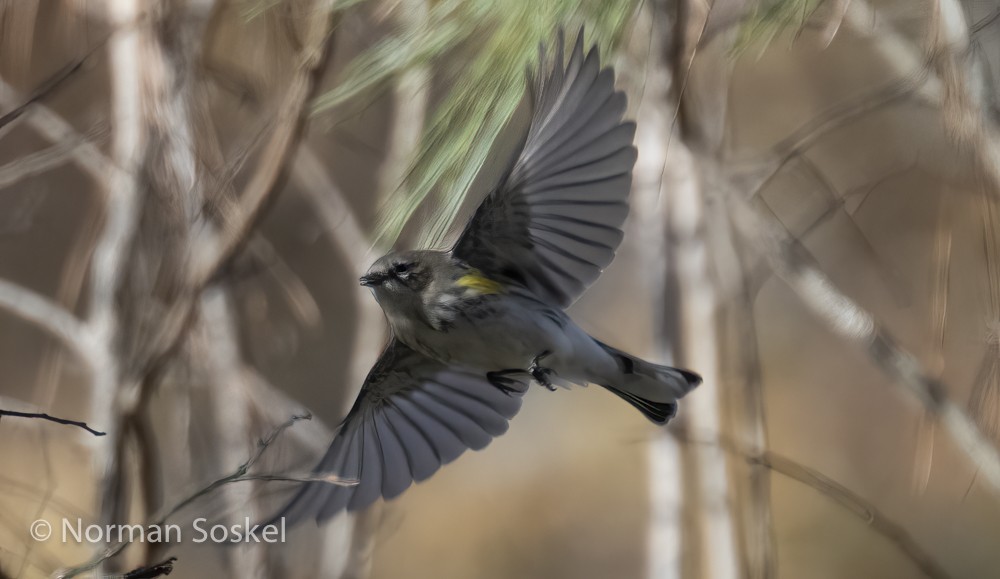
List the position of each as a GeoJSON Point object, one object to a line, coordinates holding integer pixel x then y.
{"type": "Point", "coordinates": [498, 342]}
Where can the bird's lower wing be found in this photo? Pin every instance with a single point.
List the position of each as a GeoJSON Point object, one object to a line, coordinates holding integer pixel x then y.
{"type": "Point", "coordinates": [413, 415]}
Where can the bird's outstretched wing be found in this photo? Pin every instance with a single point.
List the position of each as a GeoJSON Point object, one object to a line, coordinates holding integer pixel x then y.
{"type": "Point", "coordinates": [413, 415]}
{"type": "Point", "coordinates": [554, 221]}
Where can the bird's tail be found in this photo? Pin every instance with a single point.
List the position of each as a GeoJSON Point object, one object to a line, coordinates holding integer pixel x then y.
{"type": "Point", "coordinates": [651, 388]}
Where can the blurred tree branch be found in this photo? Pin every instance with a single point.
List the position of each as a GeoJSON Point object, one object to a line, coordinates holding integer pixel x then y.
{"type": "Point", "coordinates": [49, 316]}
{"type": "Point", "coordinates": [791, 262]}
{"type": "Point", "coordinates": [39, 162]}
{"type": "Point", "coordinates": [118, 379]}
{"type": "Point", "coordinates": [854, 503]}
{"type": "Point", "coordinates": [735, 534]}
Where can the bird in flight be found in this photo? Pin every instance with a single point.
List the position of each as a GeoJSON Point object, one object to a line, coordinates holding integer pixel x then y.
{"type": "Point", "coordinates": [474, 326]}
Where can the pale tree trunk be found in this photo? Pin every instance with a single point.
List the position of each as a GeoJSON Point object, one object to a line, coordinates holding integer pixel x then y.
{"type": "Point", "coordinates": [655, 173]}
{"type": "Point", "coordinates": [692, 531]}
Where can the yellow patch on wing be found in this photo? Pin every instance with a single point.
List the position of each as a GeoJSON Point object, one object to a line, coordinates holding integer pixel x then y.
{"type": "Point", "coordinates": [478, 283]}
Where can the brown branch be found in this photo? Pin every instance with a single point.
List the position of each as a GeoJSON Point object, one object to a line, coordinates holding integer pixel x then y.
{"type": "Point", "coordinates": [45, 89]}
{"type": "Point", "coordinates": [264, 185]}
{"type": "Point", "coordinates": [55, 129]}
{"type": "Point", "coordinates": [42, 161]}
{"type": "Point", "coordinates": [791, 262]}
{"type": "Point", "coordinates": [43, 416]}
{"type": "Point", "coordinates": [242, 473]}
{"type": "Point", "coordinates": [835, 491]}
{"type": "Point", "coordinates": [50, 317]}
{"type": "Point", "coordinates": [273, 167]}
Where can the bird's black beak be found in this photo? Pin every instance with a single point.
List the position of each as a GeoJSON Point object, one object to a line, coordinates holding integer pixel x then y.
{"type": "Point", "coordinates": [372, 279]}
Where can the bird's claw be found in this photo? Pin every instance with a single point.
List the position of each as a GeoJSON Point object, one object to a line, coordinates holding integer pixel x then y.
{"type": "Point", "coordinates": [506, 385]}
{"type": "Point", "coordinates": [502, 378]}
{"type": "Point", "coordinates": [540, 374]}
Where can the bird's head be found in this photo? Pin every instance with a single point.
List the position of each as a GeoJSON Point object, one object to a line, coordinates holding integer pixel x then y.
{"type": "Point", "coordinates": [400, 278]}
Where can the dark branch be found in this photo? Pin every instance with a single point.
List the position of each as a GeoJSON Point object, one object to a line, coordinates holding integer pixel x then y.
{"type": "Point", "coordinates": [239, 475]}
{"type": "Point", "coordinates": [157, 570]}
{"type": "Point", "coordinates": [50, 84]}
{"type": "Point", "coordinates": [43, 416]}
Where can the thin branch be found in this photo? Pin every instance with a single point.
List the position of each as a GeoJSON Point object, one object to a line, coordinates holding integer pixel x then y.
{"type": "Point", "coordinates": [985, 22]}
{"type": "Point", "coordinates": [45, 89]}
{"type": "Point", "coordinates": [341, 224]}
{"type": "Point", "coordinates": [266, 181]}
{"type": "Point", "coordinates": [43, 416]}
{"type": "Point", "coordinates": [215, 356]}
{"type": "Point", "coordinates": [49, 316]}
{"type": "Point", "coordinates": [158, 570]}
{"type": "Point", "coordinates": [55, 129]}
{"type": "Point", "coordinates": [791, 262]}
{"type": "Point", "coordinates": [41, 161]}
{"type": "Point", "coordinates": [239, 475]}
{"type": "Point", "coordinates": [273, 159]}
{"type": "Point", "coordinates": [837, 11]}
{"type": "Point", "coordinates": [838, 493]}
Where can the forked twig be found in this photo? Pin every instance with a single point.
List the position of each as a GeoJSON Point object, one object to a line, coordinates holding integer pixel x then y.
{"type": "Point", "coordinates": [241, 474]}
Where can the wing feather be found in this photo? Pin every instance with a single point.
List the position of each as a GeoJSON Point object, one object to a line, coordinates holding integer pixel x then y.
{"type": "Point", "coordinates": [413, 415]}
{"type": "Point", "coordinates": [554, 222]}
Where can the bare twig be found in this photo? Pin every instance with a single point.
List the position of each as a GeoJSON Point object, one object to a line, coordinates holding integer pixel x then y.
{"type": "Point", "coordinates": [340, 222]}
{"type": "Point", "coordinates": [227, 408]}
{"type": "Point", "coordinates": [45, 89]}
{"type": "Point", "coordinates": [242, 473]}
{"type": "Point", "coordinates": [49, 316]}
{"type": "Point", "coordinates": [266, 181]}
{"type": "Point", "coordinates": [56, 130]}
{"type": "Point", "coordinates": [836, 11]}
{"type": "Point", "coordinates": [43, 416]}
{"type": "Point", "coordinates": [160, 569]}
{"type": "Point", "coordinates": [795, 265]}
{"type": "Point", "coordinates": [840, 494]}
{"type": "Point", "coordinates": [288, 127]}
{"type": "Point", "coordinates": [41, 161]}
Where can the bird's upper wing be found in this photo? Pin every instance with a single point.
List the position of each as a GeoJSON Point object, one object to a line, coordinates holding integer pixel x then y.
{"type": "Point", "coordinates": [554, 221]}
{"type": "Point", "coordinates": [413, 415]}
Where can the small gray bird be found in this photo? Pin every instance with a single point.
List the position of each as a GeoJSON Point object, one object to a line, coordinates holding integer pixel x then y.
{"type": "Point", "coordinates": [472, 327]}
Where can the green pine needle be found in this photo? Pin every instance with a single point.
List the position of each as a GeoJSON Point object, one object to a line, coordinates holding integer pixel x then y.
{"type": "Point", "coordinates": [503, 37]}
{"type": "Point", "coordinates": [768, 20]}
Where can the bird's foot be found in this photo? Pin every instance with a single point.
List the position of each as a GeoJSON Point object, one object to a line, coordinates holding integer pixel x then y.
{"type": "Point", "coordinates": [540, 374]}
{"type": "Point", "coordinates": [502, 380]}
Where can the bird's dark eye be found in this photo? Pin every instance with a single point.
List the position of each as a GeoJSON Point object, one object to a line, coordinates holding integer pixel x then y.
{"type": "Point", "coordinates": [401, 268]}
